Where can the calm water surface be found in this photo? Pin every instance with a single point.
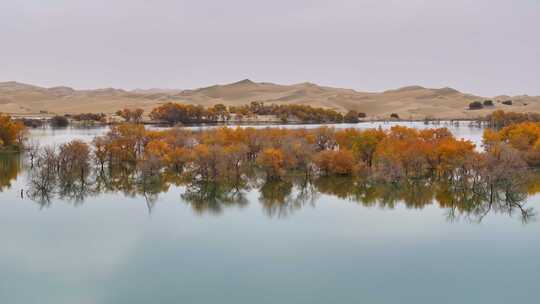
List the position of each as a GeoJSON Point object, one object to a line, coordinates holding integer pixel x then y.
{"type": "Point", "coordinates": [111, 249]}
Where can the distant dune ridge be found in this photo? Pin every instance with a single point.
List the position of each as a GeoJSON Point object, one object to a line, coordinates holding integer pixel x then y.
{"type": "Point", "coordinates": [412, 102]}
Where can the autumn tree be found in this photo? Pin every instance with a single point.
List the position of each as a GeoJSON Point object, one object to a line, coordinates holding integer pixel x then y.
{"type": "Point", "coordinates": [155, 153]}
{"type": "Point", "coordinates": [503, 167]}
{"type": "Point", "coordinates": [524, 137]}
{"type": "Point", "coordinates": [339, 162]}
{"type": "Point", "coordinates": [208, 161]}
{"type": "Point", "coordinates": [351, 117]}
{"type": "Point", "coordinates": [74, 159]}
{"type": "Point", "coordinates": [345, 137]}
{"type": "Point", "coordinates": [298, 154]}
{"type": "Point", "coordinates": [271, 160]}
{"type": "Point", "coordinates": [177, 158]}
{"type": "Point", "coordinates": [221, 112]}
{"type": "Point", "coordinates": [454, 156]}
{"type": "Point", "coordinates": [402, 153]}
{"type": "Point", "coordinates": [499, 118]}
{"type": "Point", "coordinates": [235, 158]}
{"type": "Point", "coordinates": [324, 138]}
{"type": "Point", "coordinates": [364, 144]}
{"type": "Point", "coordinates": [131, 115]}
{"type": "Point", "coordinates": [101, 151]}
{"type": "Point", "coordinates": [12, 133]}
{"type": "Point", "coordinates": [123, 145]}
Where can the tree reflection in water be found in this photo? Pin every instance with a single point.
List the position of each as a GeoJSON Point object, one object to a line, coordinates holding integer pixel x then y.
{"type": "Point", "coordinates": [462, 200]}
{"type": "Point", "coordinates": [282, 198]}
{"type": "Point", "coordinates": [10, 166]}
{"type": "Point", "coordinates": [213, 198]}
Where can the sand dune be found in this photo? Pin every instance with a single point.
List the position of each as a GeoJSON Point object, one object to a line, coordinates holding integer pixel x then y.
{"type": "Point", "coordinates": [414, 102]}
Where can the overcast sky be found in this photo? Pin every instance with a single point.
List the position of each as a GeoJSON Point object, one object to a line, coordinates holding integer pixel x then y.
{"type": "Point", "coordinates": [486, 47]}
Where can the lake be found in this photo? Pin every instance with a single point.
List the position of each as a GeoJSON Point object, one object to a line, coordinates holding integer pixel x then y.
{"type": "Point", "coordinates": [126, 248]}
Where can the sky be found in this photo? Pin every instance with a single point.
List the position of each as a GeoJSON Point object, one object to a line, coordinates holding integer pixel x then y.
{"type": "Point", "coordinates": [484, 47]}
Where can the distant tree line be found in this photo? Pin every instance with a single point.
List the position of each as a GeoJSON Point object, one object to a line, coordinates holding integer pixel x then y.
{"type": "Point", "coordinates": [477, 105]}
{"type": "Point", "coordinates": [500, 118]}
{"type": "Point", "coordinates": [95, 117]}
{"type": "Point", "coordinates": [190, 114]}
{"type": "Point", "coordinates": [177, 113]}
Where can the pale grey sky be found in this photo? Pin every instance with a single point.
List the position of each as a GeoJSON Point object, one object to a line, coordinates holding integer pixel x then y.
{"type": "Point", "coordinates": [486, 47]}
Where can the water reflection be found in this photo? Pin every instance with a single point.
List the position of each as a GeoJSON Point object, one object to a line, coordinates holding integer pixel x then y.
{"type": "Point", "coordinates": [282, 198]}
{"type": "Point", "coordinates": [10, 167]}
{"type": "Point", "coordinates": [279, 199]}
{"type": "Point", "coordinates": [213, 198]}
{"type": "Point", "coordinates": [462, 200]}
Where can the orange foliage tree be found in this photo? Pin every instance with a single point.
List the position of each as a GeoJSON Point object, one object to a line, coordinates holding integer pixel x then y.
{"type": "Point", "coordinates": [230, 153]}
{"type": "Point", "coordinates": [12, 133]}
{"type": "Point", "coordinates": [271, 160]}
{"type": "Point", "coordinates": [131, 115]}
{"type": "Point", "coordinates": [187, 114]}
{"type": "Point", "coordinates": [339, 162]}
{"type": "Point", "coordinates": [524, 137]}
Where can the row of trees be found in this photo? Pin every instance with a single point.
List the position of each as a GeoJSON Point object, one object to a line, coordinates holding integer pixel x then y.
{"type": "Point", "coordinates": [523, 137]}
{"type": "Point", "coordinates": [174, 113]}
{"type": "Point", "coordinates": [232, 154]}
{"type": "Point", "coordinates": [94, 117]}
{"type": "Point", "coordinates": [304, 113]}
{"type": "Point", "coordinates": [188, 114]}
{"type": "Point", "coordinates": [477, 105]}
{"type": "Point", "coordinates": [499, 119]}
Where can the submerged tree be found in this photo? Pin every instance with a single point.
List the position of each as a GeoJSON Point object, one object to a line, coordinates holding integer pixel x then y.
{"type": "Point", "coordinates": [377, 167]}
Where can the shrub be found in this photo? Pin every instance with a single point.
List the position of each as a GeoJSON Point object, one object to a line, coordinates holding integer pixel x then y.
{"type": "Point", "coordinates": [272, 160]}
{"type": "Point", "coordinates": [507, 102]}
{"type": "Point", "coordinates": [90, 117]}
{"type": "Point", "coordinates": [32, 123]}
{"type": "Point", "coordinates": [351, 117]}
{"type": "Point", "coordinates": [476, 105]}
{"type": "Point", "coordinates": [488, 103]}
{"type": "Point", "coordinates": [394, 115]}
{"type": "Point", "coordinates": [339, 162]}
{"type": "Point", "coordinates": [59, 121]}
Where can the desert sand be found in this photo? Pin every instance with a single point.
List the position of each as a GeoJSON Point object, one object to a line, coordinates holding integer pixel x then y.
{"type": "Point", "coordinates": [413, 102]}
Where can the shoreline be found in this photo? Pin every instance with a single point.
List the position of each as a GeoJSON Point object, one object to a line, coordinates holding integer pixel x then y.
{"type": "Point", "coordinates": [361, 124]}
{"type": "Point", "coordinates": [46, 120]}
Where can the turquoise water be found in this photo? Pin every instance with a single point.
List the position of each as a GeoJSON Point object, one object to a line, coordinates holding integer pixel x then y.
{"type": "Point", "coordinates": [113, 248]}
